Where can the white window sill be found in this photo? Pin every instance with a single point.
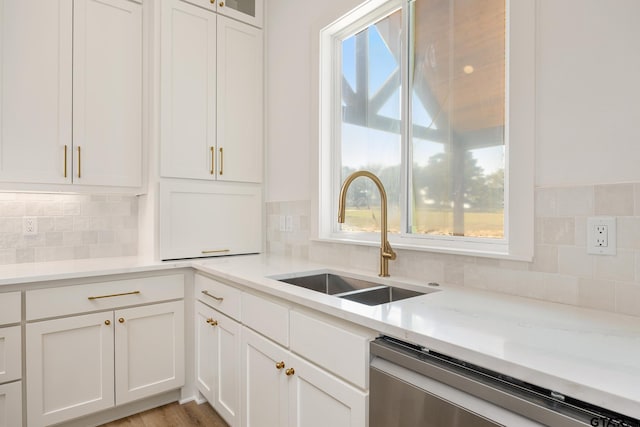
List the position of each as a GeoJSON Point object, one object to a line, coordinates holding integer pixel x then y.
{"type": "Point", "coordinates": [482, 250]}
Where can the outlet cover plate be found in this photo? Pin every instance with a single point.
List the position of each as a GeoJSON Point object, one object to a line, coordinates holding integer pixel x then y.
{"type": "Point", "coordinates": [601, 235]}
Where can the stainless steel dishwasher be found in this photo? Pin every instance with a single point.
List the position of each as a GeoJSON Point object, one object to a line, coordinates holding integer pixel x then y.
{"type": "Point", "coordinates": [412, 386]}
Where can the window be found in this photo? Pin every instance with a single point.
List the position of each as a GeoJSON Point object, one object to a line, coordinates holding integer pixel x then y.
{"type": "Point", "coordinates": [421, 93]}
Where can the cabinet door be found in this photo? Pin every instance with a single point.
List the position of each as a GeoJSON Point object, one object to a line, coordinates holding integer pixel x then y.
{"type": "Point", "coordinates": [10, 354]}
{"type": "Point", "coordinates": [35, 90]}
{"type": "Point", "coordinates": [200, 219]}
{"type": "Point", "coordinates": [218, 361]}
{"type": "Point", "coordinates": [149, 357]}
{"type": "Point", "coordinates": [188, 93]}
{"type": "Point", "coordinates": [240, 107]}
{"type": "Point", "coordinates": [69, 368]}
{"type": "Point", "coordinates": [107, 92]}
{"type": "Point", "coordinates": [265, 395]}
{"type": "Point", "coordinates": [11, 404]}
{"type": "Point", "coordinates": [320, 399]}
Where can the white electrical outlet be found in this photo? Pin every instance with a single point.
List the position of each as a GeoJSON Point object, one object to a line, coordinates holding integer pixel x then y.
{"type": "Point", "coordinates": [29, 225]}
{"type": "Point", "coordinates": [601, 235]}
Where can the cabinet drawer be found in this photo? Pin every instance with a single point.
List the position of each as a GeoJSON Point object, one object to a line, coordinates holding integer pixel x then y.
{"type": "Point", "coordinates": [222, 297]}
{"type": "Point", "coordinates": [266, 317]}
{"type": "Point", "coordinates": [11, 404]}
{"type": "Point", "coordinates": [61, 301]}
{"type": "Point", "coordinates": [10, 308]}
{"type": "Point", "coordinates": [10, 354]}
{"type": "Point", "coordinates": [342, 351]}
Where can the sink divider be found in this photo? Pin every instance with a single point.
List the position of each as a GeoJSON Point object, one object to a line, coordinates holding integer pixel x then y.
{"type": "Point", "coordinates": [359, 291]}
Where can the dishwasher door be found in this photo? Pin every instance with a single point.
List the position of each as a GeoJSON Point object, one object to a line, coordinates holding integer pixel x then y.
{"type": "Point", "coordinates": [400, 397]}
{"type": "Point", "coordinates": [395, 402]}
{"type": "Point", "coordinates": [412, 386]}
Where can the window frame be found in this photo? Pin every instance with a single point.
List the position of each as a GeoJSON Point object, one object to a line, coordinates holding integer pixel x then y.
{"type": "Point", "coordinates": [518, 243]}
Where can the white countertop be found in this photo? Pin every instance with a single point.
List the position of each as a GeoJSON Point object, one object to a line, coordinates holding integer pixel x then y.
{"type": "Point", "coordinates": [586, 354]}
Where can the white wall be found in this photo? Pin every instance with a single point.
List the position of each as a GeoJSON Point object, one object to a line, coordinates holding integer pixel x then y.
{"type": "Point", "coordinates": [290, 140]}
{"type": "Point", "coordinates": [588, 93]}
{"type": "Point", "coordinates": [588, 89]}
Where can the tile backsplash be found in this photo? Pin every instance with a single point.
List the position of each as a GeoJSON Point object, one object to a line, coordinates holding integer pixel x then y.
{"type": "Point", "coordinates": [69, 226]}
{"type": "Point", "coordinates": [561, 270]}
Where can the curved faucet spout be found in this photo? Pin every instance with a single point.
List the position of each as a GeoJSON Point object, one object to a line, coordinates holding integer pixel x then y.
{"type": "Point", "coordinates": [386, 251]}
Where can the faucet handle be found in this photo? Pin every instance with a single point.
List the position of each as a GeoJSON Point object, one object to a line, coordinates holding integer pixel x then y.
{"type": "Point", "coordinates": [388, 251]}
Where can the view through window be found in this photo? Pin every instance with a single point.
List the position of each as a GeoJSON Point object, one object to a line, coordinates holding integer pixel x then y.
{"type": "Point", "coordinates": [437, 145]}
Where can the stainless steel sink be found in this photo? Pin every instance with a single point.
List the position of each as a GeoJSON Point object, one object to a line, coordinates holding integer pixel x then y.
{"type": "Point", "coordinates": [358, 290]}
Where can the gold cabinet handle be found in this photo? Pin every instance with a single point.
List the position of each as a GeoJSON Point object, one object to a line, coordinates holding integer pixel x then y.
{"type": "Point", "coordinates": [212, 322]}
{"type": "Point", "coordinates": [79, 163]}
{"type": "Point", "coordinates": [221, 4]}
{"type": "Point", "coordinates": [215, 251]}
{"type": "Point", "coordinates": [290, 372]}
{"type": "Point", "coordinates": [65, 160]}
{"type": "Point", "coordinates": [213, 160]}
{"type": "Point", "coordinates": [206, 292]}
{"type": "Point", "coordinates": [221, 160]}
{"type": "Point", "coordinates": [279, 365]}
{"type": "Point", "coordinates": [121, 320]}
{"type": "Point", "coordinates": [213, 1]}
{"type": "Point", "coordinates": [107, 322]}
{"type": "Point", "coordinates": [113, 295]}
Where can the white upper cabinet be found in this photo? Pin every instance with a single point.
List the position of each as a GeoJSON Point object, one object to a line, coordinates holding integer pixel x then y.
{"type": "Point", "coordinates": [248, 11]}
{"type": "Point", "coordinates": [239, 102]}
{"type": "Point", "coordinates": [188, 98]}
{"type": "Point", "coordinates": [71, 92]}
{"type": "Point", "coordinates": [107, 92]}
{"type": "Point", "coordinates": [211, 96]}
{"type": "Point", "coordinates": [35, 90]}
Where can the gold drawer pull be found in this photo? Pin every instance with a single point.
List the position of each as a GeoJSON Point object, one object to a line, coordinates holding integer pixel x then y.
{"type": "Point", "coordinates": [280, 365]}
{"type": "Point", "coordinates": [206, 292]}
{"type": "Point", "coordinates": [107, 322]}
{"type": "Point", "coordinates": [221, 5]}
{"type": "Point", "coordinates": [212, 322]}
{"type": "Point", "coordinates": [121, 320]}
{"type": "Point", "coordinates": [114, 295]}
{"type": "Point", "coordinates": [216, 251]}
{"type": "Point", "coordinates": [213, 161]}
{"type": "Point", "coordinates": [290, 372]}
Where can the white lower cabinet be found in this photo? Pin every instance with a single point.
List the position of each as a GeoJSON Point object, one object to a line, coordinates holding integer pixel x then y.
{"type": "Point", "coordinates": [83, 364]}
{"type": "Point", "coordinates": [149, 350]}
{"type": "Point", "coordinates": [218, 361]}
{"type": "Point", "coordinates": [11, 404]}
{"type": "Point", "coordinates": [282, 389]}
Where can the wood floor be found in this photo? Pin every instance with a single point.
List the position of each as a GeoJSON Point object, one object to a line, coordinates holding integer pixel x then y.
{"type": "Point", "coordinates": [173, 415]}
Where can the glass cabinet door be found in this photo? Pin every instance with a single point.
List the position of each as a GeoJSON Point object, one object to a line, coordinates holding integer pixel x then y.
{"type": "Point", "coordinates": [249, 11]}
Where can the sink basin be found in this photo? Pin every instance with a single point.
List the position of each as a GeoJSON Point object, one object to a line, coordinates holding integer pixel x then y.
{"type": "Point", "coordinates": [330, 284]}
{"type": "Point", "coordinates": [381, 295]}
{"type": "Point", "coordinates": [357, 290]}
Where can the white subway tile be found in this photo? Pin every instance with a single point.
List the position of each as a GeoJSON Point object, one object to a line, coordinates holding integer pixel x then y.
{"type": "Point", "coordinates": [614, 199]}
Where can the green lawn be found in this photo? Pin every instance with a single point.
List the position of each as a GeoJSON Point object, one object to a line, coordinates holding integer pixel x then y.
{"type": "Point", "coordinates": [477, 224]}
